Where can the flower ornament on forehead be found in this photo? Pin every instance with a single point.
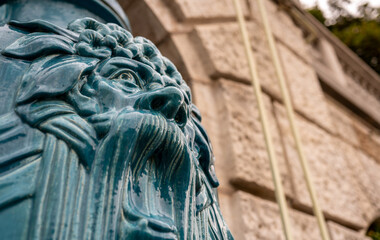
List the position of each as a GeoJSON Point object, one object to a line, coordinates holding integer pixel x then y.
{"type": "Point", "coordinates": [122, 111]}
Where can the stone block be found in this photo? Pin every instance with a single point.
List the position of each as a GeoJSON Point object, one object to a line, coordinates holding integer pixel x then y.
{"type": "Point", "coordinates": [205, 9]}
{"type": "Point", "coordinates": [153, 19]}
{"type": "Point", "coordinates": [205, 96]}
{"type": "Point", "coordinates": [191, 66]}
{"type": "Point", "coordinates": [342, 122]}
{"type": "Point", "coordinates": [369, 138]}
{"type": "Point", "coordinates": [337, 191]}
{"type": "Point", "coordinates": [339, 232]}
{"type": "Point", "coordinates": [371, 185]}
{"type": "Point", "coordinates": [280, 20]}
{"type": "Point", "coordinates": [227, 208]}
{"type": "Point", "coordinates": [144, 20]}
{"type": "Point", "coordinates": [166, 16]}
{"type": "Point", "coordinates": [249, 165]}
{"type": "Point", "coordinates": [125, 3]}
{"type": "Point", "coordinates": [364, 171]}
{"type": "Point", "coordinates": [223, 53]}
{"type": "Point", "coordinates": [304, 88]}
{"type": "Point", "coordinates": [258, 219]}
{"type": "Point", "coordinates": [178, 50]}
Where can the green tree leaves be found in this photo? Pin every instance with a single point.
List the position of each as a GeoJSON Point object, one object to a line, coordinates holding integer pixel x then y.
{"type": "Point", "coordinates": [361, 32]}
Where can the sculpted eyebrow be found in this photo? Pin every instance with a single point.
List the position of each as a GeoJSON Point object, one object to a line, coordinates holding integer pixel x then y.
{"type": "Point", "coordinates": [112, 66]}
{"type": "Point", "coordinates": [143, 70]}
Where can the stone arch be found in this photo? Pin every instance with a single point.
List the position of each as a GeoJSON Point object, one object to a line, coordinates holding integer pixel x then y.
{"type": "Point", "coordinates": [156, 21]}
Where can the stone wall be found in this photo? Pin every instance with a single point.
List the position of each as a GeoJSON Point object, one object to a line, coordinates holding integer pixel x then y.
{"type": "Point", "coordinates": [202, 38]}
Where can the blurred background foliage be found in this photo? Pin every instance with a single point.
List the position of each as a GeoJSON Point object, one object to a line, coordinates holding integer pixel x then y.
{"type": "Point", "coordinates": [360, 31]}
{"type": "Point", "coordinates": [374, 230]}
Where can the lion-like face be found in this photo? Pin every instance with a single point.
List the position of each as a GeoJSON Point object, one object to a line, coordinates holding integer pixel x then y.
{"type": "Point", "coordinates": [128, 114]}
{"type": "Point", "coordinates": [149, 114]}
{"type": "Point", "coordinates": [124, 84]}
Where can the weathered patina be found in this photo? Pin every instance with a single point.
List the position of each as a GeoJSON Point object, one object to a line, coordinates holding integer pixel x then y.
{"type": "Point", "coordinates": [99, 139]}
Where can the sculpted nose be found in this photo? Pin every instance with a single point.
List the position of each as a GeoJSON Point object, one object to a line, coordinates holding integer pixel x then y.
{"type": "Point", "coordinates": [168, 101]}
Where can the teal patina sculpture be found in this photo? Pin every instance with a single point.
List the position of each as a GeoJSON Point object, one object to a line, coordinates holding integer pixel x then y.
{"type": "Point", "coordinates": [99, 139]}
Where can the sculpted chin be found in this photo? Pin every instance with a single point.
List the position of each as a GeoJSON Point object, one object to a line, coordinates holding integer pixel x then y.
{"type": "Point", "coordinates": [123, 154]}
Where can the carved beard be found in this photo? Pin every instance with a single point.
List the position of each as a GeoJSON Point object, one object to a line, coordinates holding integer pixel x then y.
{"type": "Point", "coordinates": [140, 179]}
{"type": "Point", "coordinates": [141, 182]}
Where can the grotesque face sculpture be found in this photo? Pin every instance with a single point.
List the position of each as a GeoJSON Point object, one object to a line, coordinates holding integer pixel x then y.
{"type": "Point", "coordinates": [120, 132]}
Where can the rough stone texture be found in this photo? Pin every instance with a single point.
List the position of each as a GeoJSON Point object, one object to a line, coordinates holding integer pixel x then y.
{"type": "Point", "coordinates": [362, 92]}
{"type": "Point", "coordinates": [364, 167]}
{"type": "Point", "coordinates": [365, 172]}
{"type": "Point", "coordinates": [193, 67]}
{"type": "Point", "coordinates": [184, 58]}
{"type": "Point", "coordinates": [370, 168]}
{"type": "Point", "coordinates": [342, 122]}
{"type": "Point", "coordinates": [338, 193]}
{"type": "Point", "coordinates": [205, 9]}
{"type": "Point", "coordinates": [224, 55]}
{"type": "Point", "coordinates": [204, 41]}
{"type": "Point", "coordinates": [144, 21]}
{"type": "Point", "coordinates": [339, 232]}
{"type": "Point", "coordinates": [305, 89]}
{"type": "Point", "coordinates": [206, 97]}
{"type": "Point", "coordinates": [125, 3]}
{"type": "Point", "coordinates": [226, 204]}
{"type": "Point", "coordinates": [260, 220]}
{"type": "Point", "coordinates": [369, 139]}
{"type": "Point", "coordinates": [153, 19]}
{"type": "Point", "coordinates": [248, 157]}
{"type": "Point", "coordinates": [282, 27]}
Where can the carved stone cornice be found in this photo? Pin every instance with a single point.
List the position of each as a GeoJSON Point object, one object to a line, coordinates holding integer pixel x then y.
{"type": "Point", "coordinates": [360, 86]}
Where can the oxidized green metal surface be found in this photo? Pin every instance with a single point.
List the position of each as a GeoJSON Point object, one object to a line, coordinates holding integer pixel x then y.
{"type": "Point", "coordinates": [99, 138]}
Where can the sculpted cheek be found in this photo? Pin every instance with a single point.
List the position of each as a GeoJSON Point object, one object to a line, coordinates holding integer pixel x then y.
{"type": "Point", "coordinates": [82, 102]}
{"type": "Point", "coordinates": [112, 97]}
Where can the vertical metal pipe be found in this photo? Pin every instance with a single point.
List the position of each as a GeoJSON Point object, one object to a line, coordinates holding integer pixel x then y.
{"type": "Point", "coordinates": [290, 114]}
{"type": "Point", "coordinates": [280, 196]}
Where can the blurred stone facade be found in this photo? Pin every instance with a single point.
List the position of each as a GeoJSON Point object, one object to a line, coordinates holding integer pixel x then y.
{"type": "Point", "coordinates": [334, 94]}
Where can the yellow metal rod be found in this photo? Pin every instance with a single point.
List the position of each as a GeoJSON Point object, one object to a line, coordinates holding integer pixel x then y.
{"type": "Point", "coordinates": [280, 196]}
{"type": "Point", "coordinates": [290, 113]}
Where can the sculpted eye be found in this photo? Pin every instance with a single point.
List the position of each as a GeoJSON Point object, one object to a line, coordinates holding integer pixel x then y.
{"type": "Point", "coordinates": [126, 77]}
